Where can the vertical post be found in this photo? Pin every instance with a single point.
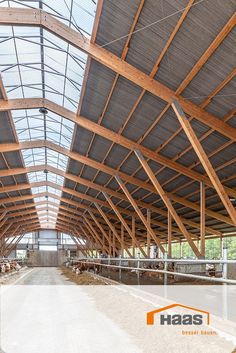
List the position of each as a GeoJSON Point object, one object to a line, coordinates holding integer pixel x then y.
{"type": "Point", "coordinates": [109, 243]}
{"type": "Point", "coordinates": [133, 231]}
{"type": "Point", "coordinates": [114, 246]}
{"type": "Point", "coordinates": [122, 240]}
{"type": "Point", "coordinates": [203, 219]}
{"type": "Point", "coordinates": [109, 269]}
{"type": "Point", "coordinates": [169, 234]}
{"type": "Point", "coordinates": [224, 289]}
{"type": "Point", "coordinates": [138, 272]}
{"type": "Point", "coordinates": [103, 243]}
{"type": "Point", "coordinates": [225, 255]}
{"type": "Point", "coordinates": [221, 247]}
{"type": "Point", "coordinates": [165, 268]}
{"type": "Point", "coordinates": [180, 249]}
{"type": "Point", "coordinates": [148, 234]}
{"type": "Point", "coordinates": [120, 269]}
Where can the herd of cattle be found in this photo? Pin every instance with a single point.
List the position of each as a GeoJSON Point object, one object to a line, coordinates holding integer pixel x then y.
{"type": "Point", "coordinates": [95, 266]}
{"type": "Point", "coordinates": [9, 266]}
{"type": "Point", "coordinates": [78, 267]}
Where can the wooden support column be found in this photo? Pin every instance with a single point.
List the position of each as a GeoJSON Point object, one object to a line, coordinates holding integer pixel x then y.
{"type": "Point", "coordinates": [139, 213]}
{"type": "Point", "coordinates": [135, 242]}
{"type": "Point", "coordinates": [100, 227]}
{"type": "Point", "coordinates": [87, 239]}
{"type": "Point", "coordinates": [6, 229]}
{"type": "Point", "coordinates": [204, 159]}
{"type": "Point", "coordinates": [114, 245]}
{"type": "Point", "coordinates": [133, 233]}
{"type": "Point", "coordinates": [112, 228]}
{"type": "Point", "coordinates": [2, 224]}
{"type": "Point", "coordinates": [166, 201]}
{"type": "Point", "coordinates": [79, 244]}
{"type": "Point", "coordinates": [97, 238]}
{"type": "Point", "coordinates": [93, 240]}
{"type": "Point", "coordinates": [180, 249]}
{"type": "Point", "coordinates": [122, 240]}
{"type": "Point", "coordinates": [77, 240]}
{"type": "Point", "coordinates": [2, 216]}
{"type": "Point", "coordinates": [169, 234]}
{"type": "Point", "coordinates": [2, 240]}
{"type": "Point", "coordinates": [110, 243]}
{"type": "Point", "coordinates": [7, 246]}
{"type": "Point", "coordinates": [9, 250]}
{"type": "Point", "coordinates": [148, 234]}
{"type": "Point", "coordinates": [203, 218]}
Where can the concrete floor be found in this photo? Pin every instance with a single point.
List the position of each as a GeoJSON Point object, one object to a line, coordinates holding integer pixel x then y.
{"type": "Point", "coordinates": [43, 312]}
{"type": "Point", "coordinates": [44, 276]}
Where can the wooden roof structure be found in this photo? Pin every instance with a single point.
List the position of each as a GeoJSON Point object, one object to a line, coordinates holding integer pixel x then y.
{"type": "Point", "coordinates": [152, 157]}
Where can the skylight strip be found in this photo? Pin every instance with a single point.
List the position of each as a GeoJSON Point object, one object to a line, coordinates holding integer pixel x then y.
{"type": "Point", "coordinates": [37, 63]}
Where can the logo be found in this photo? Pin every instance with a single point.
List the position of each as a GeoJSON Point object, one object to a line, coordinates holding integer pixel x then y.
{"type": "Point", "coordinates": [193, 317]}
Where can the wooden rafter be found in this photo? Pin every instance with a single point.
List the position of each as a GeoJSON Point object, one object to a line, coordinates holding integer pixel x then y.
{"type": "Point", "coordinates": [112, 228]}
{"type": "Point", "coordinates": [97, 236]}
{"type": "Point", "coordinates": [28, 17]}
{"type": "Point", "coordinates": [166, 201]}
{"type": "Point", "coordinates": [92, 200]}
{"type": "Point", "coordinates": [139, 213]}
{"type": "Point", "coordinates": [126, 178]}
{"type": "Point", "coordinates": [122, 220]}
{"type": "Point", "coordinates": [204, 136]}
{"type": "Point", "coordinates": [98, 129]}
{"type": "Point", "coordinates": [204, 160]}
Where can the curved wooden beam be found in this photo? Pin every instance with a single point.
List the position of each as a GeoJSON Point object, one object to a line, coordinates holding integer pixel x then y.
{"type": "Point", "coordinates": [37, 17]}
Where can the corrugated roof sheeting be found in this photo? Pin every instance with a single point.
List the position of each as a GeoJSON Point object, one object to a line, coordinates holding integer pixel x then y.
{"type": "Point", "coordinates": [118, 17]}
{"type": "Point", "coordinates": [214, 71]}
{"type": "Point", "coordinates": [97, 89]}
{"type": "Point", "coordinates": [204, 21]}
{"type": "Point", "coordinates": [103, 179]}
{"type": "Point", "coordinates": [123, 98]}
{"type": "Point", "coordinates": [146, 45]}
{"type": "Point", "coordinates": [232, 121]}
{"type": "Point", "coordinates": [11, 160]}
{"type": "Point", "coordinates": [198, 31]}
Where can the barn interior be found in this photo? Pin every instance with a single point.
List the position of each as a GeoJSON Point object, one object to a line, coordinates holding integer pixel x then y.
{"type": "Point", "coordinates": [117, 137]}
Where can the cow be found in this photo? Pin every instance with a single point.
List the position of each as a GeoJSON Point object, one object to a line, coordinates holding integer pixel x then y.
{"type": "Point", "coordinates": [82, 266]}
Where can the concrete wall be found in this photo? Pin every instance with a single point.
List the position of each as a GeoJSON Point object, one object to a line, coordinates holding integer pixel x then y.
{"type": "Point", "coordinates": [46, 258]}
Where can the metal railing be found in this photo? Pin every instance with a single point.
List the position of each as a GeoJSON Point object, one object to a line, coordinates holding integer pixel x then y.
{"type": "Point", "coordinates": [100, 262]}
{"type": "Point", "coordinates": [4, 260]}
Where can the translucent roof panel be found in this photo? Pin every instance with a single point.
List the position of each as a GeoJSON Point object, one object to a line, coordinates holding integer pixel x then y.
{"type": "Point", "coordinates": [35, 177]}
{"type": "Point", "coordinates": [78, 14]}
{"type": "Point", "coordinates": [52, 207]}
{"type": "Point", "coordinates": [46, 201]}
{"type": "Point", "coordinates": [32, 125]}
{"type": "Point", "coordinates": [44, 156]}
{"type": "Point", "coordinates": [36, 63]}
